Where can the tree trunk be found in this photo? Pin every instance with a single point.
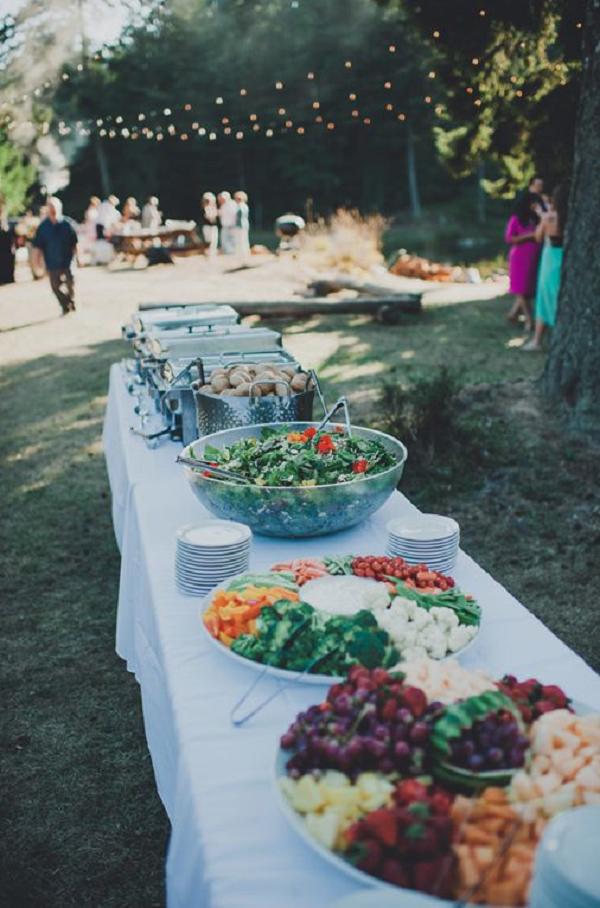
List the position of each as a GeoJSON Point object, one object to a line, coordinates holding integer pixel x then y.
{"type": "Point", "coordinates": [572, 374]}
{"type": "Point", "coordinates": [411, 167]}
{"type": "Point", "coordinates": [102, 167]}
{"type": "Point", "coordinates": [481, 193]}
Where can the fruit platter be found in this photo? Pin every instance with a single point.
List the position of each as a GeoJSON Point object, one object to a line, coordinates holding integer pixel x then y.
{"type": "Point", "coordinates": [436, 778]}
{"type": "Point", "coordinates": [320, 617]}
{"type": "Point", "coordinates": [295, 479]}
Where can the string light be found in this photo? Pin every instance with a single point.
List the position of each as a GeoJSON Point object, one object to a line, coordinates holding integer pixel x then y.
{"type": "Point", "coordinates": [184, 137]}
{"type": "Point", "coordinates": [427, 99]}
{"type": "Point", "coordinates": [389, 106]}
{"type": "Point", "coordinates": [310, 75]}
{"type": "Point", "coordinates": [218, 100]}
{"type": "Point", "coordinates": [269, 133]}
{"type": "Point", "coordinates": [227, 130]}
{"type": "Point", "coordinates": [392, 48]}
{"type": "Point", "coordinates": [352, 96]}
{"type": "Point", "coordinates": [402, 116]}
{"type": "Point", "coordinates": [348, 64]}
{"type": "Point", "coordinates": [239, 135]}
{"type": "Point", "coordinates": [243, 92]}
{"type": "Point", "coordinates": [475, 61]}
{"type": "Point", "coordinates": [167, 111]}
{"type": "Point", "coordinates": [300, 130]}
{"type": "Point", "coordinates": [482, 12]}
{"type": "Point", "coordinates": [212, 136]}
{"type": "Point", "coordinates": [281, 111]}
{"type": "Point", "coordinates": [367, 121]}
{"type": "Point", "coordinates": [387, 84]}
{"type": "Point", "coordinates": [225, 121]}
{"type": "Point", "coordinates": [355, 113]}
{"type": "Point", "coordinates": [316, 105]}
{"type": "Point", "coordinates": [431, 74]}
{"type": "Point", "coordinates": [253, 117]}
{"type": "Point", "coordinates": [279, 86]}
{"type": "Point", "coordinates": [289, 123]}
{"type": "Point", "coordinates": [436, 34]}
{"type": "Point", "coordinates": [331, 126]}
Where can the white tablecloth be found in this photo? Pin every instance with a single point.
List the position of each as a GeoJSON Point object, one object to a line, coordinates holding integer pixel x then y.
{"type": "Point", "coordinates": [230, 847]}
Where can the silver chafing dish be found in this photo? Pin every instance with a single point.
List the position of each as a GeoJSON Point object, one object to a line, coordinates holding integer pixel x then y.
{"type": "Point", "coordinates": [172, 384]}
{"type": "Point", "coordinates": [158, 321]}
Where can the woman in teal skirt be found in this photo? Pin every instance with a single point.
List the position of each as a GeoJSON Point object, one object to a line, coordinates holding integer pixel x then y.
{"type": "Point", "coordinates": [549, 232]}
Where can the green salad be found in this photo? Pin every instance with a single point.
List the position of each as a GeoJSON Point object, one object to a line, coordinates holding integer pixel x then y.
{"type": "Point", "coordinates": [283, 457]}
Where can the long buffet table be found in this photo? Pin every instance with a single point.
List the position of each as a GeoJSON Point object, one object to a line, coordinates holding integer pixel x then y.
{"type": "Point", "coordinates": [230, 847]}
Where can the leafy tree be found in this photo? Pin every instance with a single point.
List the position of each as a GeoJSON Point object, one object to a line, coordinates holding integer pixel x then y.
{"type": "Point", "coordinates": [17, 175]}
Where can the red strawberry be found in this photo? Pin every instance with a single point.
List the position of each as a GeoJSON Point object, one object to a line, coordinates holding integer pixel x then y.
{"type": "Point", "coordinates": [555, 695]}
{"type": "Point", "coordinates": [410, 790]}
{"type": "Point", "coordinates": [441, 802]}
{"type": "Point", "coordinates": [414, 698]}
{"type": "Point", "coordinates": [368, 855]}
{"type": "Point", "coordinates": [529, 687]}
{"type": "Point", "coordinates": [421, 839]}
{"type": "Point", "coordinates": [388, 711]}
{"type": "Point", "coordinates": [527, 713]}
{"type": "Point", "coordinates": [382, 824]}
{"type": "Point", "coordinates": [544, 706]}
{"type": "Point", "coordinates": [393, 871]}
{"type": "Point", "coordinates": [432, 876]}
{"type": "Point", "coordinates": [380, 676]}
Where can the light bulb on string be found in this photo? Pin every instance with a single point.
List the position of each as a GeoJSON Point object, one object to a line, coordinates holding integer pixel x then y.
{"type": "Point", "coordinates": [402, 116]}
{"type": "Point", "coordinates": [167, 111]}
{"type": "Point", "coordinates": [431, 74]}
{"type": "Point", "coordinates": [436, 34]}
{"type": "Point", "coordinates": [187, 106]}
{"type": "Point", "coordinates": [195, 125]}
{"type": "Point", "coordinates": [319, 119]}
{"type": "Point", "coordinates": [316, 105]}
{"type": "Point", "coordinates": [331, 126]}
{"type": "Point", "coordinates": [269, 133]}
{"type": "Point", "coordinates": [367, 121]}
{"type": "Point", "coordinates": [253, 117]}
{"type": "Point", "coordinates": [348, 64]}
{"type": "Point", "coordinates": [392, 48]}
{"type": "Point", "coordinates": [159, 137]}
{"type": "Point", "coordinates": [310, 75]}
{"type": "Point", "coordinates": [427, 99]}
{"type": "Point", "coordinates": [212, 136]}
{"type": "Point", "coordinates": [389, 106]}
{"type": "Point", "coordinates": [300, 130]}
{"type": "Point", "coordinates": [184, 136]}
{"type": "Point", "coordinates": [141, 117]}
{"type": "Point", "coordinates": [218, 100]}
{"type": "Point", "coordinates": [387, 85]}
{"type": "Point", "coordinates": [352, 96]}
{"type": "Point", "coordinates": [227, 130]}
{"type": "Point", "coordinates": [256, 127]}
{"type": "Point", "coordinates": [202, 131]}
{"type": "Point", "coordinates": [279, 86]}
{"type": "Point", "coordinates": [243, 92]}
{"type": "Point", "coordinates": [281, 111]}
{"type": "Point", "coordinates": [289, 123]}
{"type": "Point", "coordinates": [355, 113]}
{"type": "Point", "coordinates": [118, 119]}
{"type": "Point", "coordinates": [225, 121]}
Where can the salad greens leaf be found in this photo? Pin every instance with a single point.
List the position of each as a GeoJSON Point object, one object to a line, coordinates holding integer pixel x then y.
{"type": "Point", "coordinates": [284, 457]}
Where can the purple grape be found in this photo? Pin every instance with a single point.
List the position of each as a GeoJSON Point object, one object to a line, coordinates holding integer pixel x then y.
{"type": "Point", "coordinates": [475, 763]}
{"type": "Point", "coordinates": [494, 756]}
{"type": "Point", "coordinates": [404, 715]}
{"type": "Point", "coordinates": [485, 740]}
{"type": "Point", "coordinates": [516, 757]}
{"type": "Point", "coordinates": [400, 733]}
{"type": "Point", "coordinates": [354, 749]}
{"type": "Point", "coordinates": [342, 704]}
{"type": "Point", "coordinates": [287, 740]}
{"type": "Point", "coordinates": [381, 732]}
{"type": "Point", "coordinates": [386, 765]}
{"type": "Point", "coordinates": [401, 751]}
{"type": "Point", "coordinates": [419, 733]}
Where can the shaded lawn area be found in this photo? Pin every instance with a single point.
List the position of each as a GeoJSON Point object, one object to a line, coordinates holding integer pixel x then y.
{"type": "Point", "coordinates": [81, 822]}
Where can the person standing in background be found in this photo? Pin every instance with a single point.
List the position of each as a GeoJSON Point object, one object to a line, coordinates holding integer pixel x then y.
{"type": "Point", "coordinates": [209, 215]}
{"type": "Point", "coordinates": [57, 240]}
{"type": "Point", "coordinates": [228, 218]}
{"type": "Point", "coordinates": [550, 232]}
{"type": "Point", "coordinates": [90, 219]}
{"type": "Point", "coordinates": [7, 248]}
{"type": "Point", "coordinates": [108, 217]}
{"type": "Point", "coordinates": [151, 216]}
{"type": "Point", "coordinates": [242, 225]}
{"type": "Point", "coordinates": [523, 255]}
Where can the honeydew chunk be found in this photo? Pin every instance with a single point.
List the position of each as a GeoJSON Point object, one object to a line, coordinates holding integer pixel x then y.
{"type": "Point", "coordinates": [324, 827]}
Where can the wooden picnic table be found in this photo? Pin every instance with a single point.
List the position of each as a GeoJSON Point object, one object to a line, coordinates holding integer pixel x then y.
{"type": "Point", "coordinates": [178, 238]}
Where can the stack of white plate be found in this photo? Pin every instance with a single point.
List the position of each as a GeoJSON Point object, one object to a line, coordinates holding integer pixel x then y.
{"type": "Point", "coordinates": [210, 552]}
{"type": "Point", "coordinates": [567, 870]}
{"type": "Point", "coordinates": [429, 539]}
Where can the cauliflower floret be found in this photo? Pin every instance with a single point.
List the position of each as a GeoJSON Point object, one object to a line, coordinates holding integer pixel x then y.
{"type": "Point", "coordinates": [445, 617]}
{"type": "Point", "coordinates": [435, 641]}
{"type": "Point", "coordinates": [422, 619]}
{"type": "Point", "coordinates": [460, 636]}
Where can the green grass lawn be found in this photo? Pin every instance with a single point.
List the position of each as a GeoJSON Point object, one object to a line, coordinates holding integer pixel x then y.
{"type": "Point", "coordinates": [81, 821]}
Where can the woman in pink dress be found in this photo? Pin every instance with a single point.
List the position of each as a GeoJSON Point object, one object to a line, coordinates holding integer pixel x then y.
{"type": "Point", "coordinates": [523, 256]}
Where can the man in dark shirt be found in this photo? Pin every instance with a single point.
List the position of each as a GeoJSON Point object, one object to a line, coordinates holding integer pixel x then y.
{"type": "Point", "coordinates": [58, 241]}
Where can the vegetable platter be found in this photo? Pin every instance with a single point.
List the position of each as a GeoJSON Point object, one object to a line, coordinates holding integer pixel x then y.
{"type": "Point", "coordinates": [321, 617]}
{"type": "Point", "coordinates": [436, 778]}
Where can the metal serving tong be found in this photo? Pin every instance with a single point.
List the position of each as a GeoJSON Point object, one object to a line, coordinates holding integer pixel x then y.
{"type": "Point", "coordinates": [340, 403]}
{"type": "Point", "coordinates": [218, 471]}
{"type": "Point", "coordinates": [241, 720]}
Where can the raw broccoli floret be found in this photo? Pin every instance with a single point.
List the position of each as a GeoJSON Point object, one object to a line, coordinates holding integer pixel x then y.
{"type": "Point", "coordinates": [249, 647]}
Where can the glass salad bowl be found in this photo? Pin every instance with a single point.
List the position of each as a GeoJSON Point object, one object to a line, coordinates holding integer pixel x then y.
{"type": "Point", "coordinates": [291, 511]}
